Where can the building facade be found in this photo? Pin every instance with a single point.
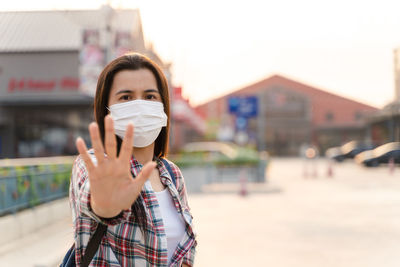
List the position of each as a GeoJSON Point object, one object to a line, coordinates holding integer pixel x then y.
{"type": "Point", "coordinates": [384, 125]}
{"type": "Point", "coordinates": [187, 125]}
{"type": "Point", "coordinates": [49, 63]}
{"type": "Point", "coordinates": [289, 114]}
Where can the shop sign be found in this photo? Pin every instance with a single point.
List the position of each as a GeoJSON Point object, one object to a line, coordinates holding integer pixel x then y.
{"type": "Point", "coordinates": [246, 107]}
{"type": "Point", "coordinates": [122, 43]}
{"type": "Point", "coordinates": [91, 61]}
{"type": "Point", "coordinates": [42, 85]}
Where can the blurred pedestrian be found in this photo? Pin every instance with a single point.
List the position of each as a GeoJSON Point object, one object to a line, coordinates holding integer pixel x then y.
{"type": "Point", "coordinates": [310, 155]}
{"type": "Point", "coordinates": [124, 181]}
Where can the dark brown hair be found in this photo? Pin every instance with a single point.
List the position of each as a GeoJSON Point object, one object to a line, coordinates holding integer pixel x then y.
{"type": "Point", "coordinates": [133, 61]}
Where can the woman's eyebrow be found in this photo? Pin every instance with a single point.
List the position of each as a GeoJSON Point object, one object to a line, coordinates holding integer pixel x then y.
{"type": "Point", "coordinates": [151, 91]}
{"type": "Point", "coordinates": [124, 91]}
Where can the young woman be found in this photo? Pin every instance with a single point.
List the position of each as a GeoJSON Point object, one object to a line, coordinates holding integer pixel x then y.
{"type": "Point", "coordinates": [124, 181]}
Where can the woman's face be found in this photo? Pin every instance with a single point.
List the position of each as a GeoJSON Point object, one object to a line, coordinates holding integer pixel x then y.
{"type": "Point", "coordinates": [131, 85]}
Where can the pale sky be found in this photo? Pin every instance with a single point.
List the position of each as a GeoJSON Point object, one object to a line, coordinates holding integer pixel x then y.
{"type": "Point", "coordinates": [215, 47]}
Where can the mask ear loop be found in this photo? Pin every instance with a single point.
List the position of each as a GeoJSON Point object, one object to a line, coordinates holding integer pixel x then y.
{"type": "Point", "coordinates": [109, 111]}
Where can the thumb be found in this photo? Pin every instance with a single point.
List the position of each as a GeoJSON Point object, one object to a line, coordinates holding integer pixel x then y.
{"type": "Point", "coordinates": [145, 173]}
{"type": "Point", "coordinates": [137, 184]}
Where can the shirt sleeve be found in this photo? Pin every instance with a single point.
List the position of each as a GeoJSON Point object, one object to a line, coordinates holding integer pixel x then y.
{"type": "Point", "coordinates": [80, 196]}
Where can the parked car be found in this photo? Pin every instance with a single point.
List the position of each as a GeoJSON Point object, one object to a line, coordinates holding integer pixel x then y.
{"type": "Point", "coordinates": [352, 148]}
{"type": "Point", "coordinates": [348, 150]}
{"type": "Point", "coordinates": [381, 154]}
{"type": "Point", "coordinates": [335, 153]}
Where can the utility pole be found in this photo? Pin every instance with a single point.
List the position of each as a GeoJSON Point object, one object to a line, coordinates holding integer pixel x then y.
{"type": "Point", "coordinates": [261, 122]}
{"type": "Point", "coordinates": [108, 12]}
{"type": "Point", "coordinates": [396, 59]}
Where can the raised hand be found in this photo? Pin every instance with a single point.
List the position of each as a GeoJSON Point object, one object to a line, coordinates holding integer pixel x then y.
{"type": "Point", "coordinates": [112, 186]}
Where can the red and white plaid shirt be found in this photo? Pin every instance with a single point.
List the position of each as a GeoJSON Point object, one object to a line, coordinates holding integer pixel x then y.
{"type": "Point", "coordinates": [124, 243]}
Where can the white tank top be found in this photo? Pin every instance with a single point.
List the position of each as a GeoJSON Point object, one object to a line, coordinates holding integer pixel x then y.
{"type": "Point", "coordinates": [173, 222]}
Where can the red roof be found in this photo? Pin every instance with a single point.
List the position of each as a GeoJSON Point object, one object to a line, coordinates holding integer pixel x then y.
{"type": "Point", "coordinates": [345, 111]}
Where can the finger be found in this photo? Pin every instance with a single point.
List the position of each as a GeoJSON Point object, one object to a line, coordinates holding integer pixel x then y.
{"type": "Point", "coordinates": [144, 174]}
{"type": "Point", "coordinates": [125, 153]}
{"type": "Point", "coordinates": [110, 141]}
{"type": "Point", "coordinates": [82, 149]}
{"type": "Point", "coordinates": [96, 142]}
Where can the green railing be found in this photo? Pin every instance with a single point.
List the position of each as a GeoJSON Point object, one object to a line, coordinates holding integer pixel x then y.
{"type": "Point", "coordinates": [25, 183]}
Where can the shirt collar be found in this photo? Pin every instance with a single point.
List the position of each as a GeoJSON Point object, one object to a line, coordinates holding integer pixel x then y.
{"type": "Point", "coordinates": [136, 167]}
{"type": "Point", "coordinates": [164, 174]}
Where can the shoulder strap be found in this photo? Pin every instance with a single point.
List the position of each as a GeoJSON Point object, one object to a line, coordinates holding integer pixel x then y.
{"type": "Point", "coordinates": [93, 244]}
{"type": "Point", "coordinates": [171, 173]}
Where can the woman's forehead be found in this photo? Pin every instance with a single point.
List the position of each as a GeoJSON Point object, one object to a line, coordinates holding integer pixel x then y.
{"type": "Point", "coordinates": [134, 80]}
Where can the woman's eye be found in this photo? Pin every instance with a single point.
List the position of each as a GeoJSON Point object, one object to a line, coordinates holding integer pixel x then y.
{"type": "Point", "coordinates": [151, 97]}
{"type": "Point", "coordinates": [125, 97]}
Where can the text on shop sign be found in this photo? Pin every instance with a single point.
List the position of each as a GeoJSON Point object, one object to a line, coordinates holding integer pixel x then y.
{"type": "Point", "coordinates": [23, 84]}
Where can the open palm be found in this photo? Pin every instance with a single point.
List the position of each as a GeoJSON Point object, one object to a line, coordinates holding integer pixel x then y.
{"type": "Point", "coordinates": [112, 186]}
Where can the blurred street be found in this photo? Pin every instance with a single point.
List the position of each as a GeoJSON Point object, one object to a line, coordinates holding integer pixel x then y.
{"type": "Point", "coordinates": [351, 219]}
{"type": "Point", "coordinates": [264, 108]}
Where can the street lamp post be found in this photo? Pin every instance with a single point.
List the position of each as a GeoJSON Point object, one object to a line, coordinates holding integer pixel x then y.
{"type": "Point", "coordinates": [108, 12]}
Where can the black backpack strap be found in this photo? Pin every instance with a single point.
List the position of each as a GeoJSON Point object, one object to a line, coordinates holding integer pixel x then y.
{"type": "Point", "coordinates": [93, 244]}
{"type": "Point", "coordinates": [171, 173]}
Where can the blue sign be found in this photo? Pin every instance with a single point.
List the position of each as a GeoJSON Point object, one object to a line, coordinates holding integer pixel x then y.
{"type": "Point", "coordinates": [246, 107]}
{"type": "Point", "coordinates": [241, 123]}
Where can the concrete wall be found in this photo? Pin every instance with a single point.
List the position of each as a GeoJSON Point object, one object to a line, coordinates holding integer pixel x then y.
{"type": "Point", "coordinates": [197, 177]}
{"type": "Point", "coordinates": [31, 220]}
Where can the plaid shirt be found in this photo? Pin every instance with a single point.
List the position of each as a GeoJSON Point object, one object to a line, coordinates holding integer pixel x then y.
{"type": "Point", "coordinates": [124, 243]}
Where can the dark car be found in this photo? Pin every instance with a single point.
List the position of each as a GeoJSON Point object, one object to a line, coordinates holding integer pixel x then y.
{"type": "Point", "coordinates": [381, 154]}
{"type": "Point", "coordinates": [353, 148]}
{"type": "Point", "coordinates": [348, 150]}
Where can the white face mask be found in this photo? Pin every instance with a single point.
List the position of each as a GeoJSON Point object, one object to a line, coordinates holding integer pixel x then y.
{"type": "Point", "coordinates": [148, 117]}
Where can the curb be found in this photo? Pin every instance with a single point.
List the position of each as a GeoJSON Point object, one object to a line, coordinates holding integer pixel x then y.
{"type": "Point", "coordinates": [28, 221]}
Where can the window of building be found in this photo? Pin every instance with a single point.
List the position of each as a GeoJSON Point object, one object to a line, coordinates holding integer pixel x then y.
{"type": "Point", "coordinates": [357, 115]}
{"type": "Point", "coordinates": [329, 117]}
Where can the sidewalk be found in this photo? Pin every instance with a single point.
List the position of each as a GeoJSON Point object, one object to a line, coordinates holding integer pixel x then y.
{"type": "Point", "coordinates": [43, 248]}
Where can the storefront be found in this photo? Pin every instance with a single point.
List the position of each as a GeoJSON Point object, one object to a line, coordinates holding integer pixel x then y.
{"type": "Point", "coordinates": [49, 64]}
{"type": "Point", "coordinates": [42, 109]}
{"type": "Point", "coordinates": [384, 126]}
